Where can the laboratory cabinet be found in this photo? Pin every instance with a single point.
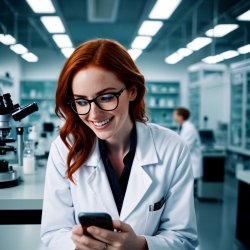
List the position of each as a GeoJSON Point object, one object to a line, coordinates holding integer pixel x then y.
{"type": "Point", "coordinates": [208, 90]}
{"type": "Point", "coordinates": [43, 93]}
{"type": "Point", "coordinates": [239, 136]}
{"type": "Point", "coordinates": [243, 208]}
{"type": "Point", "coordinates": [162, 98]}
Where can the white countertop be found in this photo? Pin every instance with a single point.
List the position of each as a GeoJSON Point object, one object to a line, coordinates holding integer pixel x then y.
{"type": "Point", "coordinates": [27, 195]}
{"type": "Point", "coordinates": [243, 175]}
{"type": "Point", "coordinates": [21, 237]}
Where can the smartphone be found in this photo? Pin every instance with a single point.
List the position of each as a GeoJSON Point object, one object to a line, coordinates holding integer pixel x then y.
{"type": "Point", "coordinates": [102, 220]}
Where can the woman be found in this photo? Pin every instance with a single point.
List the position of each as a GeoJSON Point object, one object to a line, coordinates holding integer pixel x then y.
{"type": "Point", "coordinates": [108, 159]}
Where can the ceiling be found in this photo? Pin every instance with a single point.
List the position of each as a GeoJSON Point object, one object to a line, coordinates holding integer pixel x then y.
{"type": "Point", "coordinates": [190, 19]}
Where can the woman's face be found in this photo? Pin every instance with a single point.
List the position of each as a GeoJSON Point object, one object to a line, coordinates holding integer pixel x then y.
{"type": "Point", "coordinates": [107, 125]}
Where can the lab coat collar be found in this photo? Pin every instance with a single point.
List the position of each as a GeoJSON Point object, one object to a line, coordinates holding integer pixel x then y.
{"type": "Point", "coordinates": [139, 181]}
{"type": "Point", "coordinates": [145, 151]}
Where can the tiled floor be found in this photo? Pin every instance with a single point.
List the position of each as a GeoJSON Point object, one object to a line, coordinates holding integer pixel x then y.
{"type": "Point", "coordinates": [216, 220]}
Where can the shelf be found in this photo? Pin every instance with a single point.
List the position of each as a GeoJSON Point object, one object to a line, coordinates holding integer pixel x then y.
{"type": "Point", "coordinates": [162, 98]}
{"type": "Point", "coordinates": [6, 80]}
{"type": "Point", "coordinates": [42, 92]}
{"type": "Point", "coordinates": [239, 151]}
{"type": "Point", "coordinates": [162, 108]}
{"type": "Point", "coordinates": [164, 93]}
{"type": "Point", "coordinates": [37, 99]}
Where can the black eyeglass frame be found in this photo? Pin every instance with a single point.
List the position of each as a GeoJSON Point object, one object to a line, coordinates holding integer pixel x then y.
{"type": "Point", "coordinates": [116, 94]}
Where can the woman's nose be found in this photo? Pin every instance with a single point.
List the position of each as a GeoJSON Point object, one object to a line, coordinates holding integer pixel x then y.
{"type": "Point", "coordinates": [94, 110]}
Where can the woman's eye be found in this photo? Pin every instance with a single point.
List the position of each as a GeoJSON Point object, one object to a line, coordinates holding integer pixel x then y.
{"type": "Point", "coordinates": [81, 103]}
{"type": "Point", "coordinates": [106, 98]}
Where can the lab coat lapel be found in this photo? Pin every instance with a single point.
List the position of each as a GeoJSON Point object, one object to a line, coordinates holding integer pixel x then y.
{"type": "Point", "coordinates": [98, 182]}
{"type": "Point", "coordinates": [139, 180]}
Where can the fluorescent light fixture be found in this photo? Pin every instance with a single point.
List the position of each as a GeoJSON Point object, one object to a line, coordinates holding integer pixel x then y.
{"type": "Point", "coordinates": [141, 42]}
{"type": "Point", "coordinates": [18, 48]}
{"type": "Point", "coordinates": [244, 17]}
{"type": "Point", "coordinates": [41, 6]}
{"type": "Point", "coordinates": [67, 51]}
{"type": "Point", "coordinates": [229, 54]}
{"type": "Point", "coordinates": [150, 28]}
{"type": "Point", "coordinates": [173, 58]}
{"type": "Point", "coordinates": [30, 57]}
{"type": "Point", "coordinates": [213, 59]}
{"type": "Point", "coordinates": [163, 9]}
{"type": "Point", "coordinates": [244, 49]}
{"type": "Point", "coordinates": [62, 41]}
{"type": "Point", "coordinates": [184, 52]}
{"type": "Point", "coordinates": [199, 43]}
{"type": "Point", "coordinates": [7, 39]}
{"type": "Point", "coordinates": [221, 30]}
{"type": "Point", "coordinates": [53, 24]}
{"type": "Point", "coordinates": [134, 53]}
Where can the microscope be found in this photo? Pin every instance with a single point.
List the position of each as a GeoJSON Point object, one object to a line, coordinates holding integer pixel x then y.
{"type": "Point", "coordinates": [8, 176]}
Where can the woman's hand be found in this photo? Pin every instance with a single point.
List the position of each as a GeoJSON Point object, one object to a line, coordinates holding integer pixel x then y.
{"type": "Point", "coordinates": [124, 239]}
{"type": "Point", "coordinates": [84, 242]}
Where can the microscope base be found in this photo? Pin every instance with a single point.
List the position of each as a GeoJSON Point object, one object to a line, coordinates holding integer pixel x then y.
{"type": "Point", "coordinates": [9, 179]}
{"type": "Point", "coordinates": [7, 184]}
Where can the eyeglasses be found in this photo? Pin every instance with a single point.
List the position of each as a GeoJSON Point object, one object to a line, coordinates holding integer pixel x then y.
{"type": "Point", "coordinates": [107, 102]}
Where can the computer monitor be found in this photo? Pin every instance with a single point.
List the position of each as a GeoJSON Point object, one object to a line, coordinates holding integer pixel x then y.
{"type": "Point", "coordinates": [207, 137]}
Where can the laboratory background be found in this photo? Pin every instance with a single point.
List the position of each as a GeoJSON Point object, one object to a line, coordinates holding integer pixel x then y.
{"type": "Point", "coordinates": [193, 53]}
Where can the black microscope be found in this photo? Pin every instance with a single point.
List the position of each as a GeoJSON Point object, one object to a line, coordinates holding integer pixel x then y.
{"type": "Point", "coordinates": [8, 176]}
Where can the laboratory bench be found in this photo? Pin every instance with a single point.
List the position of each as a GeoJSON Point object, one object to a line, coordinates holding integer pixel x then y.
{"type": "Point", "coordinates": [210, 186]}
{"type": "Point", "coordinates": [243, 207]}
{"type": "Point", "coordinates": [20, 213]}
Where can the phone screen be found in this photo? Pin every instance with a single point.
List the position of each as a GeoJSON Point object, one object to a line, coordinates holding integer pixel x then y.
{"type": "Point", "coordinates": [102, 220]}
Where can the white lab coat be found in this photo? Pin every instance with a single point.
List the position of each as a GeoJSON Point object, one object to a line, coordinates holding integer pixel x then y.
{"type": "Point", "coordinates": [161, 168]}
{"type": "Point", "coordinates": [190, 135]}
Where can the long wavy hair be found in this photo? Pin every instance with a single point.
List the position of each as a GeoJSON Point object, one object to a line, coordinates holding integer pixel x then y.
{"type": "Point", "coordinates": [108, 55]}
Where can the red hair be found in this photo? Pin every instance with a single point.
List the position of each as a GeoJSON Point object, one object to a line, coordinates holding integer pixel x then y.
{"type": "Point", "coordinates": [108, 55]}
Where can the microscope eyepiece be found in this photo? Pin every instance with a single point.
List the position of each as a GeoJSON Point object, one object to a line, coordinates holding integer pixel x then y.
{"type": "Point", "coordinates": [21, 112]}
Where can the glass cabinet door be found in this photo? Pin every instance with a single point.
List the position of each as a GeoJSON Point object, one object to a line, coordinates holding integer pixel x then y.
{"type": "Point", "coordinates": [194, 103]}
{"type": "Point", "coordinates": [236, 109]}
{"type": "Point", "coordinates": [247, 128]}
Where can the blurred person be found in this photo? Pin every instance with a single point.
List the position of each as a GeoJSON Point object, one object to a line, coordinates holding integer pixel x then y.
{"type": "Point", "coordinates": [190, 135]}
{"type": "Point", "coordinates": [108, 158]}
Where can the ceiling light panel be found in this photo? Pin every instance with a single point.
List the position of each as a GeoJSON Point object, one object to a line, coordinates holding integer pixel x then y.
{"type": "Point", "coordinates": [163, 9]}
{"type": "Point", "coordinates": [67, 51]}
{"type": "Point", "coordinates": [199, 43]}
{"type": "Point", "coordinates": [229, 54]}
{"type": "Point", "coordinates": [134, 53]}
{"type": "Point", "coordinates": [150, 28]}
{"type": "Point", "coordinates": [141, 42]}
{"type": "Point", "coordinates": [30, 57]}
{"type": "Point", "coordinates": [7, 39]}
{"type": "Point", "coordinates": [62, 41]}
{"type": "Point", "coordinates": [184, 52]}
{"type": "Point", "coordinates": [18, 48]}
{"type": "Point", "coordinates": [53, 24]}
{"type": "Point", "coordinates": [221, 30]}
{"type": "Point", "coordinates": [173, 58]}
{"type": "Point", "coordinates": [244, 17]}
{"type": "Point", "coordinates": [244, 49]}
{"type": "Point", "coordinates": [41, 6]}
{"type": "Point", "coordinates": [213, 59]}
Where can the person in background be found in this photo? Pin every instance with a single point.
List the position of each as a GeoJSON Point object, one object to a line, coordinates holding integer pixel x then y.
{"type": "Point", "coordinates": [108, 158]}
{"type": "Point", "coordinates": [190, 135]}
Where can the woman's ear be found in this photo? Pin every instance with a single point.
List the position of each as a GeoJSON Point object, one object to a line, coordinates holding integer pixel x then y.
{"type": "Point", "coordinates": [132, 93]}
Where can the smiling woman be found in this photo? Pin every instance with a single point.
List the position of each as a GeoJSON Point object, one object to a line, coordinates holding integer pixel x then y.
{"type": "Point", "coordinates": [109, 159]}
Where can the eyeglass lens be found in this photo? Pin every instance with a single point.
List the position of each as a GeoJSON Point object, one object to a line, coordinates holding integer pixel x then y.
{"type": "Point", "coordinates": [106, 102]}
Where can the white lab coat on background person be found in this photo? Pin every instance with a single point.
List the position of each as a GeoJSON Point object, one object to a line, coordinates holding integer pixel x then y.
{"type": "Point", "coordinates": [161, 169]}
{"type": "Point", "coordinates": [190, 135]}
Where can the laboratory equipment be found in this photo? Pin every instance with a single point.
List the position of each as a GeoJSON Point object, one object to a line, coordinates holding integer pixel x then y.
{"type": "Point", "coordinates": [8, 176]}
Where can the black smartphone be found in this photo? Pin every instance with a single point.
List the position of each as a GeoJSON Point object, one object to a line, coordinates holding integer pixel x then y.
{"type": "Point", "coordinates": [102, 220]}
